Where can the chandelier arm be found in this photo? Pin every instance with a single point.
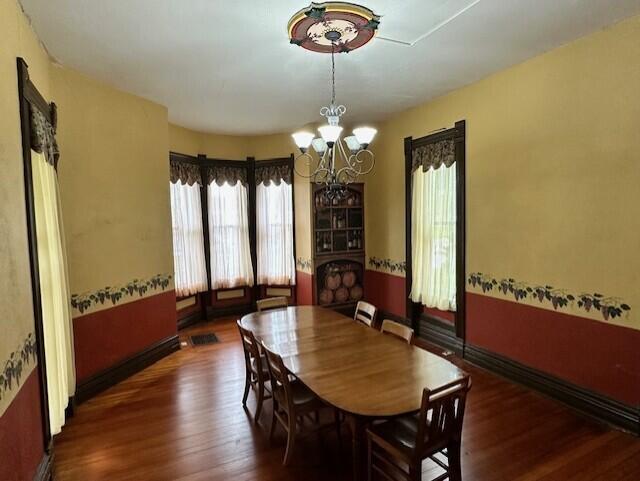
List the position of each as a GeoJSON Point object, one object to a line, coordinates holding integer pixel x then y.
{"type": "Point", "coordinates": [372, 158]}
{"type": "Point", "coordinates": [309, 158]}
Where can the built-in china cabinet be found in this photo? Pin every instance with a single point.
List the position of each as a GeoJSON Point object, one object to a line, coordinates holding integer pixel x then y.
{"type": "Point", "coordinates": [338, 247]}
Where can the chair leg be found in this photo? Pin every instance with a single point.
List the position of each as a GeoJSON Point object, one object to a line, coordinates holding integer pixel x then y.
{"type": "Point", "coordinates": [336, 414]}
{"type": "Point", "coordinates": [453, 457]}
{"type": "Point", "coordinates": [291, 438]}
{"type": "Point", "coordinates": [273, 420]}
{"type": "Point", "coordinates": [369, 459]}
{"type": "Point", "coordinates": [415, 472]}
{"type": "Point", "coordinates": [247, 386]}
{"type": "Point", "coordinates": [259, 402]}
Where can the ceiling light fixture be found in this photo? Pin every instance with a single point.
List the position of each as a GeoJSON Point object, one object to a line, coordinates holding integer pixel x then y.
{"type": "Point", "coordinates": [334, 27]}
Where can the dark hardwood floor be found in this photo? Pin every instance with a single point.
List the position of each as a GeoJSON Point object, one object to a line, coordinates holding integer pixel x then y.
{"type": "Point", "coordinates": [182, 419]}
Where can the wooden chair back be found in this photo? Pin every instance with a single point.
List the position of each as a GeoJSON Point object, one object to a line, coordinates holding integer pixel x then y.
{"type": "Point", "coordinates": [279, 375]}
{"type": "Point", "coordinates": [251, 348]}
{"type": "Point", "coordinates": [271, 303]}
{"type": "Point", "coordinates": [397, 329]}
{"type": "Point", "coordinates": [365, 313]}
{"type": "Point", "coordinates": [441, 415]}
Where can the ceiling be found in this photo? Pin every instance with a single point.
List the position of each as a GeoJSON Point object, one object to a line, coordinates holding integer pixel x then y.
{"type": "Point", "coordinates": [227, 67]}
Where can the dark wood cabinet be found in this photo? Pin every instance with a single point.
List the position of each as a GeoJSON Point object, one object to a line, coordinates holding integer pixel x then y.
{"type": "Point", "coordinates": [338, 247]}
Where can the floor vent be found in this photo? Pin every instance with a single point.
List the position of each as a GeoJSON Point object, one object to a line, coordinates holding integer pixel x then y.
{"type": "Point", "coordinates": [204, 339]}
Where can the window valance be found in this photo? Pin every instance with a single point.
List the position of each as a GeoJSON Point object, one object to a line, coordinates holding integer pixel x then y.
{"type": "Point", "coordinates": [221, 174]}
{"type": "Point", "coordinates": [43, 136]}
{"type": "Point", "coordinates": [184, 172]}
{"type": "Point", "coordinates": [273, 173]}
{"type": "Point", "coordinates": [434, 155]}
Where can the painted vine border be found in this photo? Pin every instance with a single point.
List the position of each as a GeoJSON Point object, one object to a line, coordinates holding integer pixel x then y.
{"type": "Point", "coordinates": [14, 366]}
{"type": "Point", "coordinates": [115, 294]}
{"type": "Point", "coordinates": [388, 265]}
{"type": "Point", "coordinates": [303, 264]}
{"type": "Point", "coordinates": [609, 307]}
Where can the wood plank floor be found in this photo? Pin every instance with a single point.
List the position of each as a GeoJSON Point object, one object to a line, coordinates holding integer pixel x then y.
{"type": "Point", "coordinates": [182, 419]}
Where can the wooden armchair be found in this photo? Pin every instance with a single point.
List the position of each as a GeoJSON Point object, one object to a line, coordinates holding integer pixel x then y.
{"type": "Point", "coordinates": [397, 447]}
{"type": "Point", "coordinates": [365, 313]}
{"type": "Point", "coordinates": [256, 370]}
{"type": "Point", "coordinates": [292, 403]}
{"type": "Point", "coordinates": [271, 303]}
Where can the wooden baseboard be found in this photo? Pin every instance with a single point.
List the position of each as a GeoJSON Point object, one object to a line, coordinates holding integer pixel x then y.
{"type": "Point", "coordinates": [190, 320]}
{"type": "Point", "coordinates": [589, 402]}
{"type": "Point", "coordinates": [382, 315]}
{"type": "Point", "coordinates": [124, 369]}
{"type": "Point", "coordinates": [217, 312]}
{"type": "Point", "coordinates": [441, 333]}
{"type": "Point", "coordinates": [45, 468]}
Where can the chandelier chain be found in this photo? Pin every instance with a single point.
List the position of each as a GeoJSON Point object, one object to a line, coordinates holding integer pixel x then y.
{"type": "Point", "coordinates": [333, 74]}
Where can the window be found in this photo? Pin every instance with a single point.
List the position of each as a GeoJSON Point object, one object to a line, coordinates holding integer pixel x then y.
{"type": "Point", "coordinates": [188, 239]}
{"type": "Point", "coordinates": [229, 236]}
{"type": "Point", "coordinates": [274, 206]}
{"type": "Point", "coordinates": [433, 220]}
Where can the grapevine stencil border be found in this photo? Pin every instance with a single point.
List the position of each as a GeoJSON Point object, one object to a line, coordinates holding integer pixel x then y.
{"type": "Point", "coordinates": [609, 307]}
{"type": "Point", "coordinates": [387, 265]}
{"type": "Point", "coordinates": [304, 264]}
{"type": "Point", "coordinates": [115, 294]}
{"type": "Point", "coordinates": [14, 367]}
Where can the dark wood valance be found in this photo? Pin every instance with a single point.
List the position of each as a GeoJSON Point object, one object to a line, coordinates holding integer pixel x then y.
{"type": "Point", "coordinates": [226, 173]}
{"type": "Point", "coordinates": [433, 155]}
{"type": "Point", "coordinates": [273, 173]}
{"type": "Point", "coordinates": [184, 172]}
{"type": "Point", "coordinates": [43, 136]}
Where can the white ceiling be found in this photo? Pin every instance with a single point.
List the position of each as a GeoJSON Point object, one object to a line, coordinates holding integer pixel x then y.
{"type": "Point", "coordinates": [227, 67]}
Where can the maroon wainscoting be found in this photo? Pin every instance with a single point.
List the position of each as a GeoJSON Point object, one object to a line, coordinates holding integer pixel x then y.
{"type": "Point", "coordinates": [595, 355]}
{"type": "Point", "coordinates": [386, 291]}
{"type": "Point", "coordinates": [21, 442]}
{"type": "Point", "coordinates": [106, 337]}
{"type": "Point", "coordinates": [236, 301]}
{"type": "Point", "coordinates": [304, 288]}
{"type": "Point", "coordinates": [444, 315]}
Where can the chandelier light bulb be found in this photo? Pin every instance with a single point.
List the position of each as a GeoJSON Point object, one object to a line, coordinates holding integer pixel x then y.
{"type": "Point", "coordinates": [365, 135]}
{"type": "Point", "coordinates": [352, 143]}
{"type": "Point", "coordinates": [303, 140]}
{"type": "Point", "coordinates": [330, 133]}
{"type": "Point", "coordinates": [319, 145]}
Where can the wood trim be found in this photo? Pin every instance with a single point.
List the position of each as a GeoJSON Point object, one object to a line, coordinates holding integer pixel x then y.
{"type": "Point", "coordinates": [126, 368]}
{"type": "Point", "coordinates": [45, 468]}
{"type": "Point", "coordinates": [441, 333]}
{"type": "Point", "coordinates": [253, 221]}
{"type": "Point", "coordinates": [190, 320]}
{"type": "Point", "coordinates": [382, 314]}
{"type": "Point", "coordinates": [408, 278]}
{"type": "Point", "coordinates": [26, 95]}
{"type": "Point", "coordinates": [240, 310]}
{"type": "Point", "coordinates": [584, 400]}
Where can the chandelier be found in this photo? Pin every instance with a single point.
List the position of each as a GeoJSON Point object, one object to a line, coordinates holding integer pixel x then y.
{"type": "Point", "coordinates": [334, 27]}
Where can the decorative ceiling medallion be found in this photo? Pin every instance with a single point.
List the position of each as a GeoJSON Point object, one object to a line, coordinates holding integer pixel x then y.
{"type": "Point", "coordinates": [321, 26]}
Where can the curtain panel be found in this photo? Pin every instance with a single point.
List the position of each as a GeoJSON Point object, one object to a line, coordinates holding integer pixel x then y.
{"type": "Point", "coordinates": [273, 174]}
{"type": "Point", "coordinates": [184, 172]}
{"type": "Point", "coordinates": [228, 216]}
{"type": "Point", "coordinates": [188, 239]}
{"type": "Point", "coordinates": [434, 155]}
{"type": "Point", "coordinates": [54, 287]}
{"type": "Point", "coordinates": [274, 212]}
{"type": "Point", "coordinates": [433, 240]}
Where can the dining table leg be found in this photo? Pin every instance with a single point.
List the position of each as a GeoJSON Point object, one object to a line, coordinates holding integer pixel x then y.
{"type": "Point", "coordinates": [357, 425]}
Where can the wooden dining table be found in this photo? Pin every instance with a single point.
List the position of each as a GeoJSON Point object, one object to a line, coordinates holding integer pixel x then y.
{"type": "Point", "coordinates": [355, 368]}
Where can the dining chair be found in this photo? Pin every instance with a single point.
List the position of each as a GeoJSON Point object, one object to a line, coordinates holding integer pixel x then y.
{"type": "Point", "coordinates": [398, 446]}
{"type": "Point", "coordinates": [292, 403]}
{"type": "Point", "coordinates": [365, 313]}
{"type": "Point", "coordinates": [397, 329]}
{"type": "Point", "coordinates": [256, 370]}
{"type": "Point", "coordinates": [271, 303]}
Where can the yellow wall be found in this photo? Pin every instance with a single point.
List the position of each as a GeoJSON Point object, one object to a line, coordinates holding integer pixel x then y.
{"type": "Point", "coordinates": [16, 310]}
{"type": "Point", "coordinates": [113, 175]}
{"type": "Point", "coordinates": [552, 169]}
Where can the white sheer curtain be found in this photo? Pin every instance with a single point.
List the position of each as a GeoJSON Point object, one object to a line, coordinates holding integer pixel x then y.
{"type": "Point", "coordinates": [188, 239]}
{"type": "Point", "coordinates": [434, 237]}
{"type": "Point", "coordinates": [274, 208]}
{"type": "Point", "coordinates": [229, 236]}
{"type": "Point", "coordinates": [54, 287]}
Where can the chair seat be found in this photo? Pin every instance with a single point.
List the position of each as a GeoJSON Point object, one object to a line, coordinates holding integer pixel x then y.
{"type": "Point", "coordinates": [303, 398]}
{"type": "Point", "coordinates": [400, 432]}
